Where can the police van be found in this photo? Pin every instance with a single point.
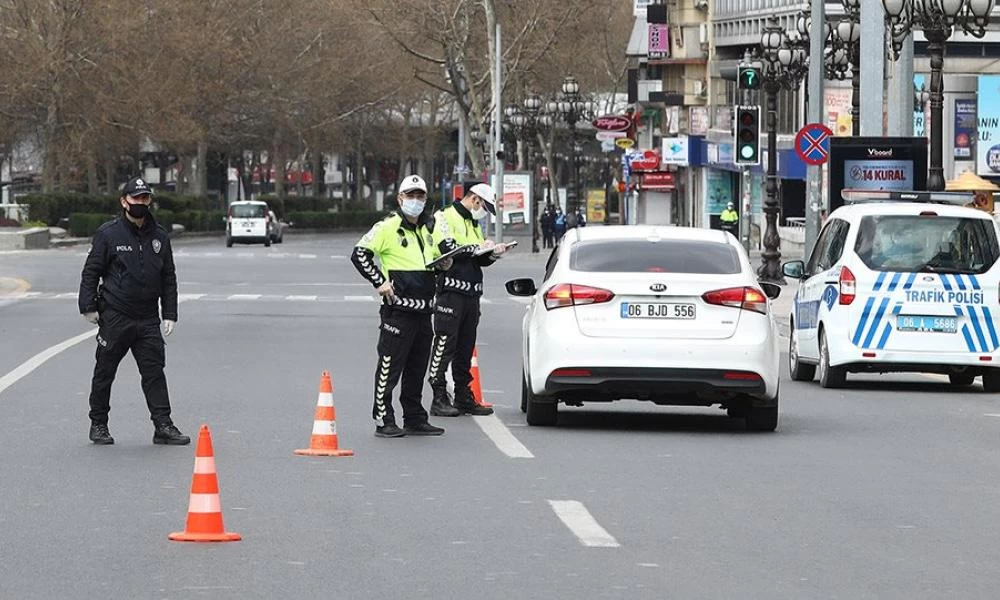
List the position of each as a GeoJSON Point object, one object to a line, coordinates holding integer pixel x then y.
{"type": "Point", "coordinates": [899, 282]}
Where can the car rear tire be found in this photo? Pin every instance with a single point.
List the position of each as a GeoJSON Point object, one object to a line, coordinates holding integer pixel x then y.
{"type": "Point", "coordinates": [829, 377]}
{"type": "Point", "coordinates": [961, 378]}
{"type": "Point", "coordinates": [762, 418]}
{"type": "Point", "coordinates": [991, 381]}
{"type": "Point", "coordinates": [539, 410]}
{"type": "Point", "coordinates": [798, 370]}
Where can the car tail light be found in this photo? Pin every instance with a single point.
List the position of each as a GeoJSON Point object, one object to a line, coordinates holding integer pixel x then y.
{"type": "Point", "coordinates": [848, 286]}
{"type": "Point", "coordinates": [571, 373]}
{"type": "Point", "coordinates": [746, 298]}
{"type": "Point", "coordinates": [569, 294]}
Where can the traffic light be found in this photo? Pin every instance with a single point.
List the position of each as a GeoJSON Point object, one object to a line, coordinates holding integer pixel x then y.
{"type": "Point", "coordinates": [747, 137]}
{"type": "Point", "coordinates": [748, 78]}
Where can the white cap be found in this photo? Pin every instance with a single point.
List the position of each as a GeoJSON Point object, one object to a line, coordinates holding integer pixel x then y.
{"type": "Point", "coordinates": [413, 182]}
{"type": "Point", "coordinates": [487, 195]}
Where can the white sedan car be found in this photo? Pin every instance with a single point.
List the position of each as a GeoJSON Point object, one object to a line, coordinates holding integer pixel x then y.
{"type": "Point", "coordinates": [671, 315]}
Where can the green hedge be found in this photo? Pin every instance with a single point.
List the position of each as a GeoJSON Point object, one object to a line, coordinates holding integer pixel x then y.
{"type": "Point", "coordinates": [52, 207]}
{"type": "Point", "coordinates": [329, 220]}
{"type": "Point", "coordinates": [87, 224]}
{"type": "Point", "coordinates": [202, 220]}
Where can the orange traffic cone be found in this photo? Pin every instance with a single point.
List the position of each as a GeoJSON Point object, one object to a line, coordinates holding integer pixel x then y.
{"type": "Point", "coordinates": [204, 520]}
{"type": "Point", "coordinates": [324, 436]}
{"type": "Point", "coordinates": [477, 389]}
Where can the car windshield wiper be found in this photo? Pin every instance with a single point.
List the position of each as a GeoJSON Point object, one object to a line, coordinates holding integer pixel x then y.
{"type": "Point", "coordinates": [929, 268]}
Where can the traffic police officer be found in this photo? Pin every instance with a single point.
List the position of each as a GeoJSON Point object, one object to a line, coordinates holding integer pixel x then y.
{"type": "Point", "coordinates": [128, 275]}
{"type": "Point", "coordinates": [729, 218]}
{"type": "Point", "coordinates": [404, 246]}
{"type": "Point", "coordinates": [456, 314]}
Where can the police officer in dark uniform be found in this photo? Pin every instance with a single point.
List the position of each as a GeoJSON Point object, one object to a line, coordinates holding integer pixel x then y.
{"type": "Point", "coordinates": [128, 274]}
{"type": "Point", "coordinates": [403, 244]}
{"type": "Point", "coordinates": [456, 314]}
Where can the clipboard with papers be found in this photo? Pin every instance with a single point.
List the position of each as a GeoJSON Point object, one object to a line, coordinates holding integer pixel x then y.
{"type": "Point", "coordinates": [460, 250]}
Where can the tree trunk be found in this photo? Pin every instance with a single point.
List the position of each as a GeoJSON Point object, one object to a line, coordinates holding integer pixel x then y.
{"type": "Point", "coordinates": [279, 170]}
{"type": "Point", "coordinates": [110, 177]}
{"type": "Point", "coordinates": [359, 180]}
{"type": "Point", "coordinates": [345, 184]}
{"type": "Point", "coordinates": [49, 164]}
{"type": "Point", "coordinates": [201, 171]}
{"type": "Point", "coordinates": [92, 187]}
{"type": "Point", "coordinates": [316, 160]}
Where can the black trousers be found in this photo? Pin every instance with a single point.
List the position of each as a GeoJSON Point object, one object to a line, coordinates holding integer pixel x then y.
{"type": "Point", "coordinates": [117, 335]}
{"type": "Point", "coordinates": [404, 347]}
{"type": "Point", "coordinates": [456, 318]}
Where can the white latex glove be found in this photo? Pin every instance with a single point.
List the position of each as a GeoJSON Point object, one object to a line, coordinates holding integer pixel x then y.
{"type": "Point", "coordinates": [90, 317]}
{"type": "Point", "coordinates": [385, 290]}
{"type": "Point", "coordinates": [168, 326]}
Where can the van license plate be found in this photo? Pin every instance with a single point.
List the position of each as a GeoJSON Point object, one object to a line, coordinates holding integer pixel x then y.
{"type": "Point", "coordinates": [927, 323]}
{"type": "Point", "coordinates": [659, 310]}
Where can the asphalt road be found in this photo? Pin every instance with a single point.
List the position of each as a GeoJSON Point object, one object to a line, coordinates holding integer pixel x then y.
{"type": "Point", "coordinates": [884, 490]}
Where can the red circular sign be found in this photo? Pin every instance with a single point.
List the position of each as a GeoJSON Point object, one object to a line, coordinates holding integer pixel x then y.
{"type": "Point", "coordinates": [812, 144]}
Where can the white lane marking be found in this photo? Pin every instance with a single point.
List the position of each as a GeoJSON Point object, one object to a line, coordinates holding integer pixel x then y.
{"type": "Point", "coordinates": [583, 525]}
{"type": "Point", "coordinates": [493, 391]}
{"type": "Point", "coordinates": [494, 429]}
{"type": "Point", "coordinates": [359, 298]}
{"type": "Point", "coordinates": [182, 297]}
{"type": "Point", "coordinates": [485, 301]}
{"type": "Point", "coordinates": [307, 256]}
{"type": "Point", "coordinates": [67, 295]}
{"type": "Point", "coordinates": [244, 297]}
{"type": "Point", "coordinates": [301, 298]}
{"type": "Point", "coordinates": [39, 359]}
{"type": "Point", "coordinates": [991, 415]}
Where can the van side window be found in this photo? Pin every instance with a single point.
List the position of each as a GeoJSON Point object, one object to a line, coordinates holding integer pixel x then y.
{"type": "Point", "coordinates": [821, 248]}
{"type": "Point", "coordinates": [837, 243]}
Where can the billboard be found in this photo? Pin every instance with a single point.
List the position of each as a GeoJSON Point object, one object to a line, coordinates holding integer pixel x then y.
{"type": "Point", "coordinates": [988, 145]}
{"type": "Point", "coordinates": [516, 200]}
{"type": "Point", "coordinates": [876, 163]}
{"type": "Point", "coordinates": [966, 131]}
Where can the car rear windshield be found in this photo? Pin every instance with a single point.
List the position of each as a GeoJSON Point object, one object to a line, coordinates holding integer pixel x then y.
{"type": "Point", "coordinates": [661, 256]}
{"type": "Point", "coordinates": [248, 211]}
{"type": "Point", "coordinates": [929, 243]}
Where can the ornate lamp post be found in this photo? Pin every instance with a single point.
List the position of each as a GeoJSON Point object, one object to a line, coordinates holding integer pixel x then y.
{"type": "Point", "coordinates": [848, 36]}
{"type": "Point", "coordinates": [572, 108]}
{"type": "Point", "coordinates": [525, 124]}
{"type": "Point", "coordinates": [784, 66]}
{"type": "Point", "coordinates": [937, 19]}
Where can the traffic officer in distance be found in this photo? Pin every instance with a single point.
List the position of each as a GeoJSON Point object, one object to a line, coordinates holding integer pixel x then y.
{"type": "Point", "coordinates": [729, 219]}
{"type": "Point", "coordinates": [456, 314]}
{"type": "Point", "coordinates": [403, 244]}
{"type": "Point", "coordinates": [129, 273]}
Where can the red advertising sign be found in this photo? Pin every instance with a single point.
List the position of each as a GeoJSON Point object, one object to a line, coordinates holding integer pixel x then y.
{"type": "Point", "coordinates": [658, 181]}
{"type": "Point", "coordinates": [612, 123]}
{"type": "Point", "coordinates": [649, 161]}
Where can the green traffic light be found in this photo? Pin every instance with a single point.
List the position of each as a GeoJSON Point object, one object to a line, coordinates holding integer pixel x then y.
{"type": "Point", "coordinates": [747, 152]}
{"type": "Point", "coordinates": [749, 78]}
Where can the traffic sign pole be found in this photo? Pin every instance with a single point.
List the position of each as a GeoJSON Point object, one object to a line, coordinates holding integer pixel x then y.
{"type": "Point", "coordinates": [814, 114]}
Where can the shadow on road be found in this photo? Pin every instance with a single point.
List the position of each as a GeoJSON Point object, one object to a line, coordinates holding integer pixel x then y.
{"type": "Point", "coordinates": [662, 420]}
{"type": "Point", "coordinates": [926, 386]}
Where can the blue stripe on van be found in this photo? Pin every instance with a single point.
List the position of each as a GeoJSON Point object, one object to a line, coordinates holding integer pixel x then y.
{"type": "Point", "coordinates": [895, 281]}
{"type": "Point", "coordinates": [975, 282]}
{"type": "Point", "coordinates": [885, 336]}
{"type": "Point", "coordinates": [875, 323]}
{"type": "Point", "coordinates": [944, 281]}
{"type": "Point", "coordinates": [961, 282]}
{"type": "Point", "coordinates": [992, 329]}
{"type": "Point", "coordinates": [878, 282]}
{"type": "Point", "coordinates": [909, 281]}
{"type": "Point", "coordinates": [977, 326]}
{"type": "Point", "coordinates": [864, 320]}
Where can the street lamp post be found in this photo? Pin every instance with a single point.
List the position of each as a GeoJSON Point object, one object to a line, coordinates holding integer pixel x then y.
{"type": "Point", "coordinates": [526, 123]}
{"type": "Point", "coordinates": [784, 65]}
{"type": "Point", "coordinates": [572, 108]}
{"type": "Point", "coordinates": [937, 19]}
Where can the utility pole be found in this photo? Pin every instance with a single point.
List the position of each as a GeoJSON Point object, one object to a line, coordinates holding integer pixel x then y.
{"type": "Point", "coordinates": [814, 114]}
{"type": "Point", "coordinates": [873, 69]}
{"type": "Point", "coordinates": [901, 92]}
{"type": "Point", "coordinates": [498, 137]}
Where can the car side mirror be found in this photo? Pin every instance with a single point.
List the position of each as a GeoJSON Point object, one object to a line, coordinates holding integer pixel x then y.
{"type": "Point", "coordinates": [795, 269]}
{"type": "Point", "coordinates": [521, 287]}
{"type": "Point", "coordinates": [771, 290]}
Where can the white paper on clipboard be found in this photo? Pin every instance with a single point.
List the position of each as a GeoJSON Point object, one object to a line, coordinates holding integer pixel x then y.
{"type": "Point", "coordinates": [450, 254]}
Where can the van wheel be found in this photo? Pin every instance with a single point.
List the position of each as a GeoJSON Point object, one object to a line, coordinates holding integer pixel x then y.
{"type": "Point", "coordinates": [799, 371]}
{"type": "Point", "coordinates": [829, 377]}
{"type": "Point", "coordinates": [961, 378]}
{"type": "Point", "coordinates": [991, 381]}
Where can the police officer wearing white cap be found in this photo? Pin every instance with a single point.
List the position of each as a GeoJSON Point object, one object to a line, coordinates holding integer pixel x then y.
{"type": "Point", "coordinates": [456, 312]}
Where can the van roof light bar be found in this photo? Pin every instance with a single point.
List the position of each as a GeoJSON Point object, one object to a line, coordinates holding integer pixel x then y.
{"type": "Point", "coordinates": [864, 196]}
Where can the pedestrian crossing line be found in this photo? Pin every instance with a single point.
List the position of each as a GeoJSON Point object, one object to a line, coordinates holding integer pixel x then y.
{"type": "Point", "coordinates": [504, 440]}
{"type": "Point", "coordinates": [359, 299]}
{"type": "Point", "coordinates": [584, 526]}
{"type": "Point", "coordinates": [244, 297]}
{"type": "Point", "coordinates": [307, 256]}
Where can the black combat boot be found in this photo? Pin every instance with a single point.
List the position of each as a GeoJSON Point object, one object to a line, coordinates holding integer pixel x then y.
{"type": "Point", "coordinates": [100, 435]}
{"type": "Point", "coordinates": [441, 404]}
{"type": "Point", "coordinates": [466, 403]}
{"type": "Point", "coordinates": [389, 430]}
{"type": "Point", "coordinates": [166, 433]}
{"type": "Point", "coordinates": [424, 428]}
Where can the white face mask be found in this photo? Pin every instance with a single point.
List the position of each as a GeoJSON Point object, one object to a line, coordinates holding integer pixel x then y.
{"type": "Point", "coordinates": [479, 213]}
{"type": "Point", "coordinates": [412, 207]}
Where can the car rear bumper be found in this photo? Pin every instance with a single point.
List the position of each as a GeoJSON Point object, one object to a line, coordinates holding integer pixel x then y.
{"type": "Point", "coordinates": [669, 385]}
